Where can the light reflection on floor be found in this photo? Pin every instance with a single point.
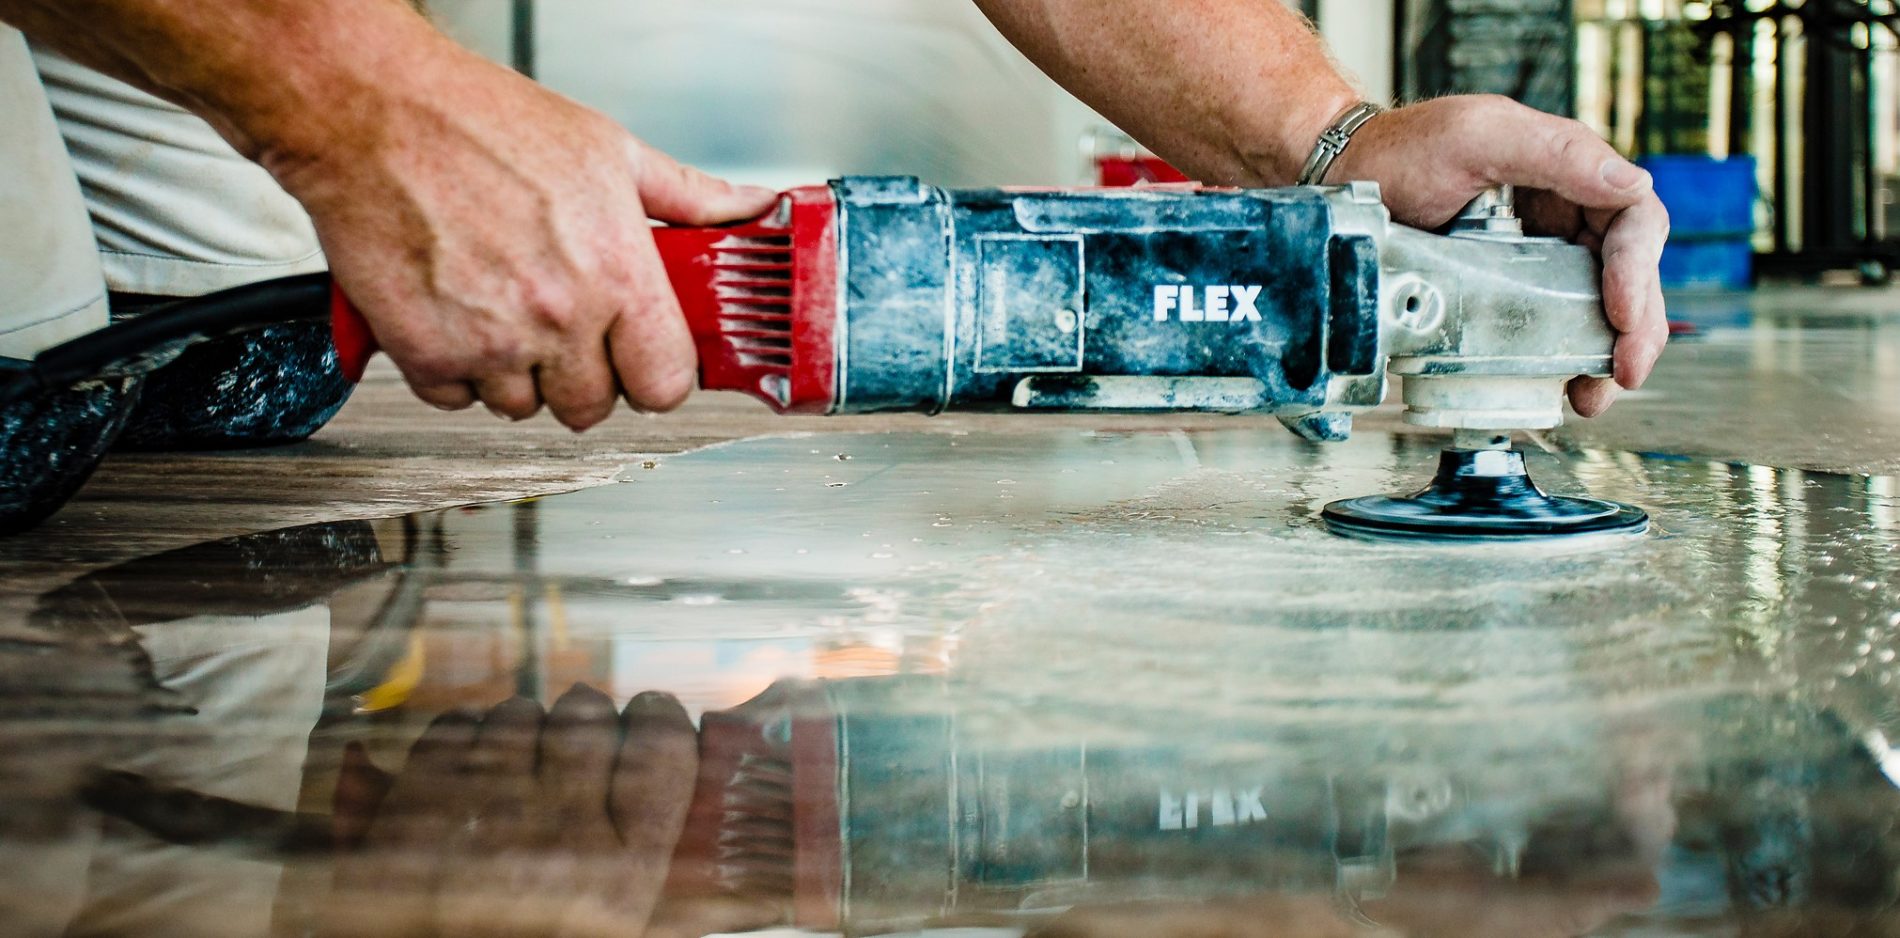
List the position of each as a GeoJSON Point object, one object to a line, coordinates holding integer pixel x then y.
{"type": "Point", "coordinates": [1039, 657]}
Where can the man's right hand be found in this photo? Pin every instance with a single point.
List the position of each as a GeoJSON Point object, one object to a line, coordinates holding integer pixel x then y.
{"type": "Point", "coordinates": [494, 234]}
{"type": "Point", "coordinates": [496, 237]}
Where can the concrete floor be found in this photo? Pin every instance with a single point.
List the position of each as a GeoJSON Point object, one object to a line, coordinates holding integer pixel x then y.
{"type": "Point", "coordinates": [1791, 377]}
{"type": "Point", "coordinates": [1764, 582]}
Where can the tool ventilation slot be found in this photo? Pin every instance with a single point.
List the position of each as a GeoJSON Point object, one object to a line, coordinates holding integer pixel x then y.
{"type": "Point", "coordinates": [752, 282]}
{"type": "Point", "coordinates": [756, 846]}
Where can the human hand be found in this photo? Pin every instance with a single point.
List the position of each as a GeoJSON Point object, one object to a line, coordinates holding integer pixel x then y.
{"type": "Point", "coordinates": [518, 824]}
{"type": "Point", "coordinates": [1432, 158]}
{"type": "Point", "coordinates": [496, 237]}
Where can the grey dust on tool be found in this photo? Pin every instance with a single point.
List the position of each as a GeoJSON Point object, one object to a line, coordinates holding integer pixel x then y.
{"type": "Point", "coordinates": [1300, 302]}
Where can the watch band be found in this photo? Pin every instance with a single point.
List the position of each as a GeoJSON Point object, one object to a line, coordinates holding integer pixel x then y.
{"type": "Point", "coordinates": [1333, 141]}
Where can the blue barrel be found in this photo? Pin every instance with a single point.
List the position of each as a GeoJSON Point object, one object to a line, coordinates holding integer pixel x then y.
{"type": "Point", "coordinates": [1712, 220]}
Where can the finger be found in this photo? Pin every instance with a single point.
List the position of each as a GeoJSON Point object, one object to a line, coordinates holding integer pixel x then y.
{"type": "Point", "coordinates": [1638, 350]}
{"type": "Point", "coordinates": [579, 387]}
{"type": "Point", "coordinates": [453, 395]}
{"type": "Point", "coordinates": [652, 789]}
{"type": "Point", "coordinates": [1590, 397]}
{"type": "Point", "coordinates": [385, 888]}
{"type": "Point", "coordinates": [681, 195]}
{"type": "Point", "coordinates": [578, 748]}
{"type": "Point", "coordinates": [512, 396]}
{"type": "Point", "coordinates": [1633, 241]}
{"type": "Point", "coordinates": [412, 807]}
{"type": "Point", "coordinates": [505, 747]}
{"type": "Point", "coordinates": [1555, 153]}
{"type": "Point", "coordinates": [651, 348]}
{"type": "Point", "coordinates": [360, 790]}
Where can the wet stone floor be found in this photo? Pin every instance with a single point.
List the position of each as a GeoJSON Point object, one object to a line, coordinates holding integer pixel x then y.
{"type": "Point", "coordinates": [1070, 683]}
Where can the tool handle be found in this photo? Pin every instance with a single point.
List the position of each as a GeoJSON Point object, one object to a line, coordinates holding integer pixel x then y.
{"type": "Point", "coordinates": [355, 343]}
{"type": "Point", "coordinates": [757, 296]}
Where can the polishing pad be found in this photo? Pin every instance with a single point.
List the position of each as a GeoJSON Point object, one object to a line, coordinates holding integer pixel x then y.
{"type": "Point", "coordinates": [1481, 495]}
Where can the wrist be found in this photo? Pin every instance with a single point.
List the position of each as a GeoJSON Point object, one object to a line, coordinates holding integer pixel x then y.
{"type": "Point", "coordinates": [1281, 142]}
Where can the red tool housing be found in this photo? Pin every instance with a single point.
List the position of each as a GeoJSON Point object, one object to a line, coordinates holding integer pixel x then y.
{"type": "Point", "coordinates": [761, 299]}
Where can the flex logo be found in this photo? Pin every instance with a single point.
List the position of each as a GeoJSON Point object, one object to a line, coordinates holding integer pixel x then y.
{"type": "Point", "coordinates": [1218, 808]}
{"type": "Point", "coordinates": [1229, 303]}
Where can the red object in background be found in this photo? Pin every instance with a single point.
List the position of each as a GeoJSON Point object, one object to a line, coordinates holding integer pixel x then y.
{"type": "Point", "coordinates": [760, 298]}
{"type": "Point", "coordinates": [1117, 172]}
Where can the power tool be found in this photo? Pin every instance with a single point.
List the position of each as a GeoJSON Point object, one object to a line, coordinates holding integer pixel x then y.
{"type": "Point", "coordinates": [885, 294]}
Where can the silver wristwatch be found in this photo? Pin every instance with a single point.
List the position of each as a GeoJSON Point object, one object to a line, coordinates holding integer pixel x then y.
{"type": "Point", "coordinates": [1333, 141]}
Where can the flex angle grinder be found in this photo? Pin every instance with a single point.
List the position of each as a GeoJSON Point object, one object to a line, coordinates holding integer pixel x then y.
{"type": "Point", "coordinates": [884, 294]}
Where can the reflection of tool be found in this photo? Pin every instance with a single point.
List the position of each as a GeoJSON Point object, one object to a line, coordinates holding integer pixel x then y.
{"type": "Point", "coordinates": [877, 804]}
{"type": "Point", "coordinates": [883, 294]}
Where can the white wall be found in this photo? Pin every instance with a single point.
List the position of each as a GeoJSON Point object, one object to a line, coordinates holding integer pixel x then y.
{"type": "Point", "coordinates": [793, 91]}
{"type": "Point", "coordinates": [1362, 33]}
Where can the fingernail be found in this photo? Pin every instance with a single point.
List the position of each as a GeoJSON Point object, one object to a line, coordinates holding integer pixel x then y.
{"type": "Point", "coordinates": [758, 192]}
{"type": "Point", "coordinates": [1623, 174]}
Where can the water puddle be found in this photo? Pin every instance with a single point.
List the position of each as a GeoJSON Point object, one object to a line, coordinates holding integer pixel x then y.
{"type": "Point", "coordinates": [1102, 684]}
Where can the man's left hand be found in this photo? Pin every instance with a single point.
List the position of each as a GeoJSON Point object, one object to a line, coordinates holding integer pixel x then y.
{"type": "Point", "coordinates": [1432, 158]}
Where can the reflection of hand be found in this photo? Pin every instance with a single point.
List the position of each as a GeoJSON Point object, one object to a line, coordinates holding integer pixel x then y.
{"type": "Point", "coordinates": [519, 824]}
{"type": "Point", "coordinates": [1433, 157]}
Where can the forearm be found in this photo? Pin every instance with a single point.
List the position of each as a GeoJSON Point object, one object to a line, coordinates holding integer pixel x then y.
{"type": "Point", "coordinates": [1232, 91]}
{"type": "Point", "coordinates": [279, 79]}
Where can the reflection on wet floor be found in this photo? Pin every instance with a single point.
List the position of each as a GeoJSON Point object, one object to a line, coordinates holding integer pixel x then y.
{"type": "Point", "coordinates": [980, 680]}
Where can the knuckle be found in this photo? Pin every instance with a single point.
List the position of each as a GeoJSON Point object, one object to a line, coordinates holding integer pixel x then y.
{"type": "Point", "coordinates": [445, 398]}
{"type": "Point", "coordinates": [1569, 141]}
{"type": "Point", "coordinates": [496, 352]}
{"type": "Point", "coordinates": [661, 392]}
{"type": "Point", "coordinates": [549, 306]}
{"type": "Point", "coordinates": [582, 412]}
{"type": "Point", "coordinates": [432, 371]}
{"type": "Point", "coordinates": [583, 421]}
{"type": "Point", "coordinates": [510, 406]}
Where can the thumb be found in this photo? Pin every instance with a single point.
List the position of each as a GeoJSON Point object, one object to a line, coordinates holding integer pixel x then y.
{"type": "Point", "coordinates": [1564, 156]}
{"type": "Point", "coordinates": [679, 194]}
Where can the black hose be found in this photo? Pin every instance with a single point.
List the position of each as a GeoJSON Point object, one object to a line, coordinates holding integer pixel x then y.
{"type": "Point", "coordinates": [149, 341]}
